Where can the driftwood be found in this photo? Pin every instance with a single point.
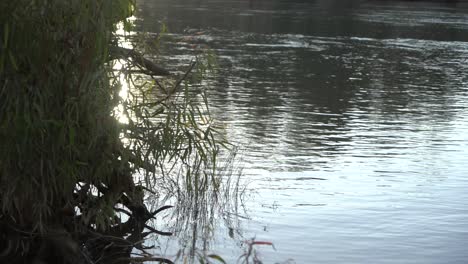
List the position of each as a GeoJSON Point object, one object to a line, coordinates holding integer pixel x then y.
{"type": "Point", "coordinates": [150, 67]}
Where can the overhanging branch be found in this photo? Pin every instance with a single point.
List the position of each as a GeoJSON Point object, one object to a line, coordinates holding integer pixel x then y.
{"type": "Point", "coordinates": [124, 53]}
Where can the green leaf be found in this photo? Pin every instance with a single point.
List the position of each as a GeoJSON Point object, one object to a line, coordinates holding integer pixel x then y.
{"type": "Point", "coordinates": [71, 136]}
{"type": "Point", "coordinates": [218, 258]}
{"type": "Point", "coordinates": [13, 60]}
{"type": "Point", "coordinates": [6, 33]}
{"type": "Point", "coordinates": [128, 25]}
{"type": "Point", "coordinates": [200, 260]}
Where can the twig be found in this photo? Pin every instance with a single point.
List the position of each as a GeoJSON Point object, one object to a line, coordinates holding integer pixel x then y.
{"type": "Point", "coordinates": [144, 259]}
{"type": "Point", "coordinates": [162, 233]}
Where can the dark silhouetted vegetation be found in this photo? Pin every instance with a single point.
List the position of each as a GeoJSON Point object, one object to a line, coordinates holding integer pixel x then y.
{"type": "Point", "coordinates": [73, 178]}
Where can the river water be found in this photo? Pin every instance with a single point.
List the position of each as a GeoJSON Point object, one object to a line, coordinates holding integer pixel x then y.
{"type": "Point", "coordinates": [352, 119]}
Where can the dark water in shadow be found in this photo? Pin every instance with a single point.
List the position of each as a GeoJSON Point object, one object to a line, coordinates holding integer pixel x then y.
{"type": "Point", "coordinates": [370, 96]}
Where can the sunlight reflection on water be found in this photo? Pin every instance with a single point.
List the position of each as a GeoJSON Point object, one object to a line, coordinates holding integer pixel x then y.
{"type": "Point", "coordinates": [370, 99]}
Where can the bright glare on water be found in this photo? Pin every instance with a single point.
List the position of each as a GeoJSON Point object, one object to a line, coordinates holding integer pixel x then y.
{"type": "Point", "coordinates": [351, 117]}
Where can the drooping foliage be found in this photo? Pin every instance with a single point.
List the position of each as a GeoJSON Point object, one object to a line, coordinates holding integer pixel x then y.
{"type": "Point", "coordinates": [55, 104]}
{"type": "Point", "coordinates": [68, 185]}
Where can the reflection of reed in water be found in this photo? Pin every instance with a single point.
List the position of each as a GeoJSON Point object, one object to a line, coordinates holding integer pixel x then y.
{"type": "Point", "coordinates": [205, 201]}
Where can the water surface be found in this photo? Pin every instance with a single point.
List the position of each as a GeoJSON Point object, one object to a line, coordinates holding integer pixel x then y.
{"type": "Point", "coordinates": [352, 120]}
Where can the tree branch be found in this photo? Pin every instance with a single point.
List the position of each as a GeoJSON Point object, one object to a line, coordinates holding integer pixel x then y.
{"type": "Point", "coordinates": [152, 68]}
